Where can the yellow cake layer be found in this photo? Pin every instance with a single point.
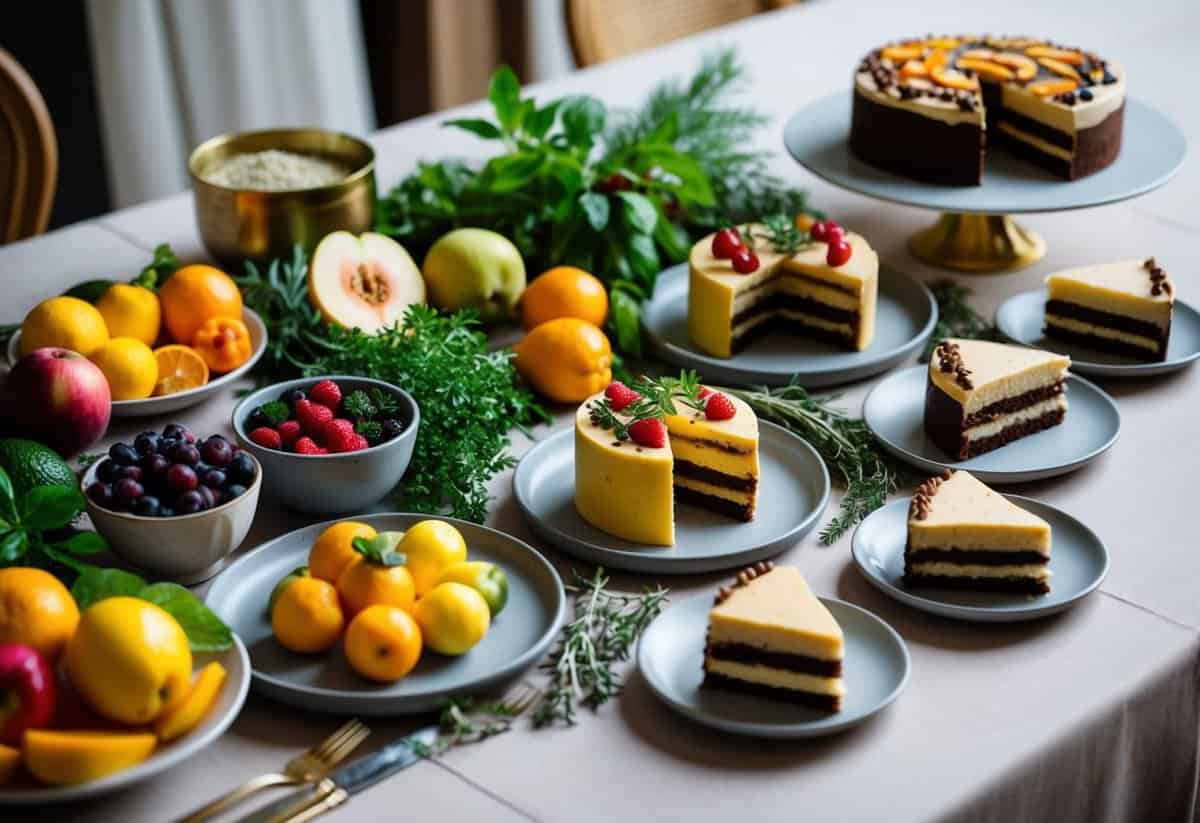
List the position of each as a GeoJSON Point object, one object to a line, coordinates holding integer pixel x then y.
{"type": "Point", "coordinates": [738, 496]}
{"type": "Point", "coordinates": [779, 678]}
{"type": "Point", "coordinates": [777, 612]}
{"type": "Point", "coordinates": [1122, 287]}
{"type": "Point", "coordinates": [965, 514]}
{"type": "Point", "coordinates": [998, 371]}
{"type": "Point", "coordinates": [702, 454]}
{"type": "Point", "coordinates": [1037, 571]}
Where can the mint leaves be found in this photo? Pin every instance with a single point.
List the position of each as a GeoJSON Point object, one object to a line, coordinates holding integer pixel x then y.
{"type": "Point", "coordinates": [34, 527]}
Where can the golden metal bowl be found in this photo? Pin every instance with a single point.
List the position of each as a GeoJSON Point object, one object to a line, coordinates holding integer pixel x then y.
{"type": "Point", "coordinates": [240, 224]}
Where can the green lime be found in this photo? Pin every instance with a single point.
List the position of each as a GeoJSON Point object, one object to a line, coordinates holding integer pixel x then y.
{"type": "Point", "coordinates": [31, 464]}
{"type": "Point", "coordinates": [89, 290]}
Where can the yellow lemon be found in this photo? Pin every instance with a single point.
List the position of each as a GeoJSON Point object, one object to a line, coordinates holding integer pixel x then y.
{"type": "Point", "coordinates": [428, 548]}
{"type": "Point", "coordinates": [131, 311]}
{"type": "Point", "coordinates": [66, 758]}
{"type": "Point", "coordinates": [453, 618]}
{"type": "Point", "coordinates": [64, 322]}
{"type": "Point", "coordinates": [129, 660]}
{"type": "Point", "coordinates": [565, 359]}
{"type": "Point", "coordinates": [129, 366]}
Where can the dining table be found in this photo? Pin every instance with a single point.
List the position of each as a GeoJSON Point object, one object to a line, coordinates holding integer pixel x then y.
{"type": "Point", "coordinates": [1092, 714]}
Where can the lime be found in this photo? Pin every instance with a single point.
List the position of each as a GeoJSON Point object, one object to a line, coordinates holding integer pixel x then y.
{"type": "Point", "coordinates": [31, 464]}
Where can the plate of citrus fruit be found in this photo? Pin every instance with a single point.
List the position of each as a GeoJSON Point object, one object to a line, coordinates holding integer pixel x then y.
{"type": "Point", "coordinates": [389, 613]}
{"type": "Point", "coordinates": [99, 694]}
{"type": "Point", "coordinates": [161, 349]}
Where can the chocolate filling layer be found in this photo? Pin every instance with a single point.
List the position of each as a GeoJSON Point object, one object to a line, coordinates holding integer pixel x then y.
{"type": "Point", "coordinates": [704, 474]}
{"type": "Point", "coordinates": [1095, 148]}
{"type": "Point", "coordinates": [780, 301]}
{"type": "Point", "coordinates": [1012, 585]}
{"type": "Point", "coordinates": [909, 143]}
{"type": "Point", "coordinates": [1106, 344]}
{"type": "Point", "coordinates": [1016, 432]}
{"type": "Point", "coordinates": [784, 325]}
{"type": "Point", "coordinates": [1013, 404]}
{"type": "Point", "coordinates": [742, 653]}
{"type": "Point", "coordinates": [1037, 128]}
{"type": "Point", "coordinates": [826, 702]}
{"type": "Point", "coordinates": [974, 557]}
{"type": "Point", "coordinates": [944, 425]}
{"type": "Point", "coordinates": [717, 505]}
{"type": "Point", "coordinates": [1096, 317]}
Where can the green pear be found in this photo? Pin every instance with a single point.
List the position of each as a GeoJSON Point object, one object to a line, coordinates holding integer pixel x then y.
{"type": "Point", "coordinates": [475, 268]}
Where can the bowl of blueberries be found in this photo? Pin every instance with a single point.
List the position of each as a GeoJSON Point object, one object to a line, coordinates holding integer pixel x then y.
{"type": "Point", "coordinates": [172, 504]}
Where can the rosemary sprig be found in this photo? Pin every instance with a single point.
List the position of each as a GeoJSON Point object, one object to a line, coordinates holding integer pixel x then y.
{"type": "Point", "coordinates": [658, 398]}
{"type": "Point", "coordinates": [781, 232]}
{"type": "Point", "coordinates": [602, 634]}
{"type": "Point", "coordinates": [462, 720]}
{"type": "Point", "coordinates": [956, 318]}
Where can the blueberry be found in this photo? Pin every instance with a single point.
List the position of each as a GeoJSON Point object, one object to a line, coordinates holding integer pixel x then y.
{"type": "Point", "coordinates": [128, 490]}
{"type": "Point", "coordinates": [206, 494]}
{"type": "Point", "coordinates": [186, 454]}
{"type": "Point", "coordinates": [291, 396]}
{"type": "Point", "coordinates": [216, 451]}
{"type": "Point", "coordinates": [1085, 94]}
{"type": "Point", "coordinates": [154, 467]}
{"type": "Point", "coordinates": [146, 442]}
{"type": "Point", "coordinates": [123, 454]}
{"type": "Point", "coordinates": [234, 490]}
{"type": "Point", "coordinates": [213, 478]}
{"type": "Point", "coordinates": [240, 469]}
{"type": "Point", "coordinates": [106, 472]}
{"type": "Point", "coordinates": [392, 428]}
{"type": "Point", "coordinates": [256, 420]}
{"type": "Point", "coordinates": [181, 478]}
{"type": "Point", "coordinates": [189, 503]}
{"type": "Point", "coordinates": [179, 432]}
{"type": "Point", "coordinates": [101, 494]}
{"type": "Point", "coordinates": [146, 506]}
{"type": "Point", "coordinates": [165, 444]}
{"type": "Point", "coordinates": [130, 473]}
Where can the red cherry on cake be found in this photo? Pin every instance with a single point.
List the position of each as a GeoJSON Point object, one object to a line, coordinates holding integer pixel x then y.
{"type": "Point", "coordinates": [649, 432]}
{"type": "Point", "coordinates": [719, 407]}
{"type": "Point", "coordinates": [619, 395]}
{"type": "Point", "coordinates": [726, 243]}
{"type": "Point", "coordinates": [818, 230]}
{"type": "Point", "coordinates": [838, 253]}
{"type": "Point", "coordinates": [744, 261]}
{"type": "Point", "coordinates": [834, 233]}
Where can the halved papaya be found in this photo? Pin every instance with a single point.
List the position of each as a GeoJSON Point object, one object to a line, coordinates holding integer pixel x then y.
{"type": "Point", "coordinates": [365, 281]}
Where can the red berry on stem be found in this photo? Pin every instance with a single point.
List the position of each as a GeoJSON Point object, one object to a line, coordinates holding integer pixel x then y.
{"type": "Point", "coordinates": [719, 407]}
{"type": "Point", "coordinates": [649, 432]}
{"type": "Point", "coordinates": [834, 233]}
{"type": "Point", "coordinates": [725, 243]}
{"type": "Point", "coordinates": [838, 253]}
{"type": "Point", "coordinates": [744, 261]}
{"type": "Point", "coordinates": [619, 395]}
{"type": "Point", "coordinates": [819, 230]}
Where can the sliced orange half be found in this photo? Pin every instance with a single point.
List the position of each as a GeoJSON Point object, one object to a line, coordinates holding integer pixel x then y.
{"type": "Point", "coordinates": [1049, 88]}
{"type": "Point", "coordinates": [179, 368]}
{"type": "Point", "coordinates": [1063, 55]}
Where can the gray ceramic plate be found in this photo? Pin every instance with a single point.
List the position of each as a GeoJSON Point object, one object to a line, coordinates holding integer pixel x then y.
{"type": "Point", "coordinates": [671, 656]}
{"type": "Point", "coordinates": [152, 406]}
{"type": "Point", "coordinates": [793, 489]}
{"type": "Point", "coordinates": [219, 718]}
{"type": "Point", "coordinates": [1078, 561]}
{"type": "Point", "coordinates": [905, 316]}
{"type": "Point", "coordinates": [1019, 318]}
{"type": "Point", "coordinates": [894, 412]}
{"type": "Point", "coordinates": [516, 640]}
{"type": "Point", "coordinates": [1152, 150]}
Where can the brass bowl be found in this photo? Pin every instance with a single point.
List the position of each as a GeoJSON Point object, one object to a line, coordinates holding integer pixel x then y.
{"type": "Point", "coordinates": [240, 224]}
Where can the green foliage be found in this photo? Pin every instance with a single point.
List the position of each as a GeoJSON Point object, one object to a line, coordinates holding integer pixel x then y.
{"type": "Point", "coordinates": [35, 528]}
{"type": "Point", "coordinates": [275, 412]}
{"type": "Point", "coordinates": [161, 267]}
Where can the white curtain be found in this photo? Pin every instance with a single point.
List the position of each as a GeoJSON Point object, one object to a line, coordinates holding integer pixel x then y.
{"type": "Point", "coordinates": [172, 73]}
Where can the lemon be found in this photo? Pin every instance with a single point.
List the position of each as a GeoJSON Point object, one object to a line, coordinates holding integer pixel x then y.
{"type": "Point", "coordinates": [428, 548]}
{"type": "Point", "coordinates": [129, 366]}
{"type": "Point", "coordinates": [453, 618]}
{"type": "Point", "coordinates": [131, 311]}
{"type": "Point", "coordinates": [64, 322]}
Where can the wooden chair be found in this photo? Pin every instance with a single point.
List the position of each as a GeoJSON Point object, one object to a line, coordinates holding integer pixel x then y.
{"type": "Point", "coordinates": [28, 154]}
{"type": "Point", "coordinates": [601, 30]}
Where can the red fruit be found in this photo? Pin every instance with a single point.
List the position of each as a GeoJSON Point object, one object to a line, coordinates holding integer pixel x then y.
{"type": "Point", "coordinates": [57, 397]}
{"type": "Point", "coordinates": [838, 253]}
{"type": "Point", "coordinates": [327, 394]}
{"type": "Point", "coordinates": [704, 392]}
{"type": "Point", "coordinates": [305, 445]}
{"type": "Point", "coordinates": [358, 443]}
{"type": "Point", "coordinates": [312, 416]}
{"type": "Point", "coordinates": [614, 183]}
{"type": "Point", "coordinates": [27, 691]}
{"type": "Point", "coordinates": [338, 436]}
{"type": "Point", "coordinates": [619, 395]}
{"type": "Point", "coordinates": [819, 230]}
{"type": "Point", "coordinates": [834, 233]}
{"type": "Point", "coordinates": [744, 261]}
{"type": "Point", "coordinates": [725, 243]}
{"type": "Point", "coordinates": [267, 437]}
{"type": "Point", "coordinates": [719, 407]}
{"type": "Point", "coordinates": [649, 432]}
{"type": "Point", "coordinates": [289, 432]}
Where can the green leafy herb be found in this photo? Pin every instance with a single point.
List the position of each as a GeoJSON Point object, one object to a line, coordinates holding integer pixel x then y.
{"type": "Point", "coordinates": [275, 412]}
{"type": "Point", "coordinates": [383, 402]}
{"type": "Point", "coordinates": [380, 549]}
{"type": "Point", "coordinates": [602, 634]}
{"type": "Point", "coordinates": [463, 720]}
{"type": "Point", "coordinates": [164, 264]}
{"type": "Point", "coordinates": [35, 528]}
{"type": "Point", "coordinates": [658, 398]}
{"type": "Point", "coordinates": [370, 429]}
{"type": "Point", "coordinates": [85, 461]}
{"type": "Point", "coordinates": [358, 405]}
{"type": "Point", "coordinates": [956, 318]}
{"type": "Point", "coordinates": [780, 231]}
{"type": "Point", "coordinates": [95, 584]}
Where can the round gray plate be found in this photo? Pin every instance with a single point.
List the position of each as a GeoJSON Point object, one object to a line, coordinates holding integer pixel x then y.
{"type": "Point", "coordinates": [793, 490]}
{"type": "Point", "coordinates": [894, 412]}
{"type": "Point", "coordinates": [905, 316]}
{"type": "Point", "coordinates": [1019, 318]}
{"type": "Point", "coordinates": [1078, 560]}
{"type": "Point", "coordinates": [1152, 150]}
{"type": "Point", "coordinates": [671, 658]}
{"type": "Point", "coordinates": [515, 641]}
{"type": "Point", "coordinates": [218, 719]}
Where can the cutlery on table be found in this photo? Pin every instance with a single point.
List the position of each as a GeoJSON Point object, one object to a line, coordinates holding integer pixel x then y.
{"type": "Point", "coordinates": [307, 767]}
{"type": "Point", "coordinates": [337, 788]}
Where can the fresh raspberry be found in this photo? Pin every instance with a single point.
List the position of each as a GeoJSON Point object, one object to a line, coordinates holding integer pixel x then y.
{"type": "Point", "coordinates": [312, 416]}
{"type": "Point", "coordinates": [266, 437]}
{"type": "Point", "coordinates": [719, 407]}
{"type": "Point", "coordinates": [327, 394]}
{"type": "Point", "coordinates": [649, 432]}
{"type": "Point", "coordinates": [289, 432]}
{"type": "Point", "coordinates": [358, 443]}
{"type": "Point", "coordinates": [306, 445]}
{"type": "Point", "coordinates": [619, 395]}
{"type": "Point", "coordinates": [704, 392]}
{"type": "Point", "coordinates": [339, 435]}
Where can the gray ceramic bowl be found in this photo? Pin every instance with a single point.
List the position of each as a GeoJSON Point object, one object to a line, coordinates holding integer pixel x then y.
{"type": "Point", "coordinates": [332, 483]}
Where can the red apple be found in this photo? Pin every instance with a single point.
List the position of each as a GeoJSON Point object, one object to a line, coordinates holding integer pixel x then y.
{"type": "Point", "coordinates": [27, 691]}
{"type": "Point", "coordinates": [57, 397]}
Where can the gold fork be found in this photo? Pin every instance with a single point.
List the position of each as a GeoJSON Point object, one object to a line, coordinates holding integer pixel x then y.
{"type": "Point", "coordinates": [306, 767]}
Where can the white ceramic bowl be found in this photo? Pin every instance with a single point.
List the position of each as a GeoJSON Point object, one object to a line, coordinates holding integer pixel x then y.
{"type": "Point", "coordinates": [186, 548]}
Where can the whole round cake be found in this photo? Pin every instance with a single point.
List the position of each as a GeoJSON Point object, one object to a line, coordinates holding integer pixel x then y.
{"type": "Point", "coordinates": [924, 107]}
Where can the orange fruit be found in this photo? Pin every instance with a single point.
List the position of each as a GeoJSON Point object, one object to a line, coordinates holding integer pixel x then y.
{"type": "Point", "coordinates": [188, 713]}
{"type": "Point", "coordinates": [179, 368]}
{"type": "Point", "coordinates": [307, 617]}
{"type": "Point", "coordinates": [566, 360]}
{"type": "Point", "coordinates": [63, 758]}
{"type": "Point", "coordinates": [193, 295]}
{"type": "Point", "coordinates": [36, 610]}
{"type": "Point", "coordinates": [364, 583]}
{"type": "Point", "coordinates": [224, 343]}
{"type": "Point", "coordinates": [333, 549]}
{"type": "Point", "coordinates": [383, 643]}
{"type": "Point", "coordinates": [10, 758]}
{"type": "Point", "coordinates": [564, 291]}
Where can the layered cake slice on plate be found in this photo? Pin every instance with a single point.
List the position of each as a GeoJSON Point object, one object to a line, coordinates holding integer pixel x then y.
{"type": "Point", "coordinates": [980, 395]}
{"type": "Point", "coordinates": [963, 535]}
{"type": "Point", "coordinates": [769, 635]}
{"type": "Point", "coordinates": [1121, 308]}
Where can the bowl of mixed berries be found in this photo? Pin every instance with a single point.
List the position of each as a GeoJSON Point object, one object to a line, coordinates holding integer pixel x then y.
{"type": "Point", "coordinates": [174, 504]}
{"type": "Point", "coordinates": [329, 444]}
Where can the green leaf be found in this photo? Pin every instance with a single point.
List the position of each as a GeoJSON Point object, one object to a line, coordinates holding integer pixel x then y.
{"type": "Point", "coordinates": [513, 171]}
{"type": "Point", "coordinates": [673, 239]}
{"type": "Point", "coordinates": [643, 257]}
{"type": "Point", "coordinates": [160, 269]}
{"type": "Point", "coordinates": [205, 631]}
{"type": "Point", "coordinates": [95, 584]}
{"type": "Point", "coordinates": [480, 128]}
{"type": "Point", "coordinates": [276, 412]}
{"type": "Point", "coordinates": [638, 212]}
{"type": "Point", "coordinates": [83, 543]}
{"type": "Point", "coordinates": [50, 507]}
{"type": "Point", "coordinates": [7, 496]}
{"type": "Point", "coordinates": [381, 549]}
{"type": "Point", "coordinates": [540, 121]}
{"type": "Point", "coordinates": [595, 206]}
{"type": "Point", "coordinates": [504, 92]}
{"type": "Point", "coordinates": [13, 545]}
{"type": "Point", "coordinates": [583, 120]}
{"type": "Point", "coordinates": [626, 314]}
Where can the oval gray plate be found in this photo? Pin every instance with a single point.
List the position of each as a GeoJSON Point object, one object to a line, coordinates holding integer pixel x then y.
{"type": "Point", "coordinates": [905, 316]}
{"type": "Point", "coordinates": [1152, 150]}
{"type": "Point", "coordinates": [516, 640]}
{"type": "Point", "coordinates": [1078, 560]}
{"type": "Point", "coordinates": [1019, 318]}
{"type": "Point", "coordinates": [793, 491]}
{"type": "Point", "coordinates": [219, 718]}
{"type": "Point", "coordinates": [894, 412]}
{"type": "Point", "coordinates": [875, 668]}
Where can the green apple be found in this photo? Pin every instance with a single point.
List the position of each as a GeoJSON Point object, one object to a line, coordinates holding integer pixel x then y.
{"type": "Point", "coordinates": [475, 268]}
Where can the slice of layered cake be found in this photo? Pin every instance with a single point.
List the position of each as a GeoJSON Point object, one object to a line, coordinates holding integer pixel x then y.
{"type": "Point", "coordinates": [769, 635]}
{"type": "Point", "coordinates": [1121, 308]}
{"type": "Point", "coordinates": [980, 395]}
{"type": "Point", "coordinates": [963, 535]}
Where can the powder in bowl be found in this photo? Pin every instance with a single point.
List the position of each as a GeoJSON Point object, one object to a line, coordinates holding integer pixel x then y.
{"type": "Point", "coordinates": [274, 170]}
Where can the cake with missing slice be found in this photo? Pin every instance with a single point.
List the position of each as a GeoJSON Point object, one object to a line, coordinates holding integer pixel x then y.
{"type": "Point", "coordinates": [769, 635]}
{"type": "Point", "coordinates": [981, 395]}
{"type": "Point", "coordinates": [963, 535]}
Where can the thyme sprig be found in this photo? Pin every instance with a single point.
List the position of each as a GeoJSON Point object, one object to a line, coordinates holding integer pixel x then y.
{"type": "Point", "coordinates": [780, 231]}
{"type": "Point", "coordinates": [602, 634]}
{"type": "Point", "coordinates": [462, 720]}
{"type": "Point", "coordinates": [956, 317]}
